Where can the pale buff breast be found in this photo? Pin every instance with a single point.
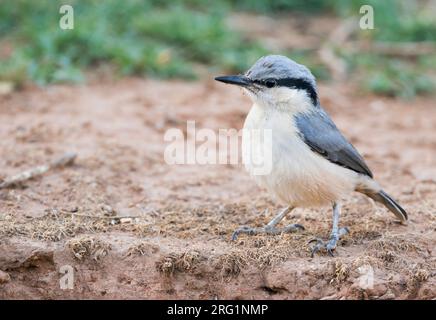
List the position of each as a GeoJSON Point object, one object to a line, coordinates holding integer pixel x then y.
{"type": "Point", "coordinates": [298, 176]}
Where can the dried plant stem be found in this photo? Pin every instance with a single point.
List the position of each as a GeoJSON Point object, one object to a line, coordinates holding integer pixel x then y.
{"type": "Point", "coordinates": [66, 159]}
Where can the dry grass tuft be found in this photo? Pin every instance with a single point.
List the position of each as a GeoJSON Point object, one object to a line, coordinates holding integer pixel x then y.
{"type": "Point", "coordinates": [144, 229]}
{"type": "Point", "coordinates": [187, 262]}
{"type": "Point", "coordinates": [86, 246]}
{"type": "Point", "coordinates": [340, 272]}
{"type": "Point", "coordinates": [230, 264]}
{"type": "Point", "coordinates": [396, 244]}
{"type": "Point", "coordinates": [365, 260]}
{"type": "Point", "coordinates": [395, 251]}
{"type": "Point", "coordinates": [261, 252]}
{"type": "Point", "coordinates": [167, 265]}
{"type": "Point", "coordinates": [52, 227]}
{"type": "Point", "coordinates": [143, 248]}
{"type": "Point", "coordinates": [418, 275]}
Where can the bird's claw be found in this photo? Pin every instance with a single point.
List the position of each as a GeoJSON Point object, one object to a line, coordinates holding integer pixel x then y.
{"type": "Point", "coordinates": [243, 229]}
{"type": "Point", "coordinates": [318, 246]}
{"type": "Point", "coordinates": [293, 227]}
{"type": "Point", "coordinates": [329, 246]}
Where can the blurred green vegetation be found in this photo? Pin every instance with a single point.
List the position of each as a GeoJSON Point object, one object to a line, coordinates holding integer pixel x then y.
{"type": "Point", "coordinates": [161, 38]}
{"type": "Point", "coordinates": [396, 21]}
{"type": "Point", "coordinates": [172, 38]}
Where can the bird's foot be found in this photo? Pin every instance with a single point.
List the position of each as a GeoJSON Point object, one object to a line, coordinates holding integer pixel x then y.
{"type": "Point", "coordinates": [267, 229]}
{"type": "Point", "coordinates": [330, 245]}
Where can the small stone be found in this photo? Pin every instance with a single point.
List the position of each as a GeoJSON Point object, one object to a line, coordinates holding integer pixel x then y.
{"type": "Point", "coordinates": [4, 277]}
{"type": "Point", "coordinates": [126, 220]}
{"type": "Point", "coordinates": [107, 209]}
{"type": "Point", "coordinates": [115, 221]}
{"type": "Point", "coordinates": [389, 295]}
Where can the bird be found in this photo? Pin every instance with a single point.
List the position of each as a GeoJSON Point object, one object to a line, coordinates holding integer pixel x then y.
{"type": "Point", "coordinates": [312, 163]}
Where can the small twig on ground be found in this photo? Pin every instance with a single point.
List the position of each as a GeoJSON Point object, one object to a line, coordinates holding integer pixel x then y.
{"type": "Point", "coordinates": [101, 217]}
{"type": "Point", "coordinates": [65, 160]}
{"type": "Point", "coordinates": [113, 220]}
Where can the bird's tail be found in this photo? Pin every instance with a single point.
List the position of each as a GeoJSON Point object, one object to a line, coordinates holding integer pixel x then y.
{"type": "Point", "coordinates": [388, 202]}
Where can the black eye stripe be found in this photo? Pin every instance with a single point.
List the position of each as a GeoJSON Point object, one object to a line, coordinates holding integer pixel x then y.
{"type": "Point", "coordinates": [294, 83]}
{"type": "Point", "coordinates": [267, 82]}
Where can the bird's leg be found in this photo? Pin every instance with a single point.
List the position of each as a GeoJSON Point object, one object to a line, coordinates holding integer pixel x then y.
{"type": "Point", "coordinates": [335, 235]}
{"type": "Point", "coordinates": [270, 228]}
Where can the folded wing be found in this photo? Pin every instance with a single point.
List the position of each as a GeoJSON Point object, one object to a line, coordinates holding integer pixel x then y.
{"type": "Point", "coordinates": [320, 133]}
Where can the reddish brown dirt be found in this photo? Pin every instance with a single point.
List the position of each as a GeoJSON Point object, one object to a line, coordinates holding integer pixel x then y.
{"type": "Point", "coordinates": [179, 245]}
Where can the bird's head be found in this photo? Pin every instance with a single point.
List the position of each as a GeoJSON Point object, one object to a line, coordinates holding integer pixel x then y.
{"type": "Point", "coordinates": [276, 80]}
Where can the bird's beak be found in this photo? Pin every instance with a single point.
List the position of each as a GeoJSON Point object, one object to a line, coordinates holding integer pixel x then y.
{"type": "Point", "coordinates": [239, 80]}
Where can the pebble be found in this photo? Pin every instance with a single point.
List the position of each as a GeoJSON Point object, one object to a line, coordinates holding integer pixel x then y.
{"type": "Point", "coordinates": [107, 209]}
{"type": "Point", "coordinates": [388, 296]}
{"type": "Point", "coordinates": [4, 277]}
{"type": "Point", "coordinates": [126, 220]}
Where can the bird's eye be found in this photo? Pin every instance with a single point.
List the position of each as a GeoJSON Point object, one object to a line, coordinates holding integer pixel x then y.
{"type": "Point", "coordinates": [270, 83]}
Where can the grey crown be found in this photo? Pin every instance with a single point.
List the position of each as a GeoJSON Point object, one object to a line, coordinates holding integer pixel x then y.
{"type": "Point", "coordinates": [279, 67]}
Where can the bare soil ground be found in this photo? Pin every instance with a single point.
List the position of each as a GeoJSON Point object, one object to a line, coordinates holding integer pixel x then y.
{"type": "Point", "coordinates": [175, 241]}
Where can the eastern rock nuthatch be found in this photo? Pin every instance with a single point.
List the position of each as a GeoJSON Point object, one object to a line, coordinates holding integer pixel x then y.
{"type": "Point", "coordinates": [313, 164]}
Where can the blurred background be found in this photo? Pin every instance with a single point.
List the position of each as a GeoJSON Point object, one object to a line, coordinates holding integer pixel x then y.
{"type": "Point", "coordinates": [190, 39]}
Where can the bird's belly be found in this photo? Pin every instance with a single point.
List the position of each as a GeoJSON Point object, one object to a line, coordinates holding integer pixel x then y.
{"type": "Point", "coordinates": [297, 175]}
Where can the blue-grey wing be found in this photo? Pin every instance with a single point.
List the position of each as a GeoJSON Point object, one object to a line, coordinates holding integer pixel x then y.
{"type": "Point", "coordinates": [320, 133]}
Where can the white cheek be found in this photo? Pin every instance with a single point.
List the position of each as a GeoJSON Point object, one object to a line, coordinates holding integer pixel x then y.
{"type": "Point", "coordinates": [292, 100]}
{"type": "Point", "coordinates": [262, 97]}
